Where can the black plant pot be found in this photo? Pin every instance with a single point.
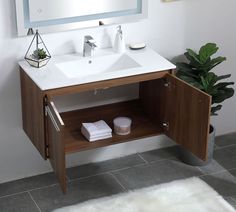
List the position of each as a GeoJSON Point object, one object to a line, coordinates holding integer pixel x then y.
{"type": "Point", "coordinates": [189, 158]}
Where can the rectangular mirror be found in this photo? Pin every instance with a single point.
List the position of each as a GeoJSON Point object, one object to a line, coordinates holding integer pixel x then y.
{"type": "Point", "coordinates": [58, 15]}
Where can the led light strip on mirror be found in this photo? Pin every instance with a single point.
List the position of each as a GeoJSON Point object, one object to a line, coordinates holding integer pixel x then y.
{"type": "Point", "coordinates": [52, 17]}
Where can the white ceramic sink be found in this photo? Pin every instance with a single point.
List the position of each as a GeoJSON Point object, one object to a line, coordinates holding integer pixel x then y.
{"type": "Point", "coordinates": [96, 65]}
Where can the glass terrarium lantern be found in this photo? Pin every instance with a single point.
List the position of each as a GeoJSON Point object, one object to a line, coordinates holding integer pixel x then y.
{"type": "Point", "coordinates": [37, 54]}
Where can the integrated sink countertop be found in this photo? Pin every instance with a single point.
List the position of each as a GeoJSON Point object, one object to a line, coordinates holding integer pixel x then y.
{"type": "Point", "coordinates": [73, 69]}
{"type": "Point", "coordinates": [97, 65]}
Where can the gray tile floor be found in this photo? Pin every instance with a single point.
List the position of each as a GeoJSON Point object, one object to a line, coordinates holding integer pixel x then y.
{"type": "Point", "coordinates": [42, 193]}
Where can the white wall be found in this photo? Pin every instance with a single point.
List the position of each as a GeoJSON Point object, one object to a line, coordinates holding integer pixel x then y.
{"type": "Point", "coordinates": [170, 28]}
{"type": "Point", "coordinates": [214, 21]}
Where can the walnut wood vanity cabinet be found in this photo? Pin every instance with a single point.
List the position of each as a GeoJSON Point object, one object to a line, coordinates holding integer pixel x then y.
{"type": "Point", "coordinates": [166, 105]}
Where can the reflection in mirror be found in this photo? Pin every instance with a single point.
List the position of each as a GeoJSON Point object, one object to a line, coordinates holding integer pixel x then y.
{"type": "Point", "coordinates": [57, 15]}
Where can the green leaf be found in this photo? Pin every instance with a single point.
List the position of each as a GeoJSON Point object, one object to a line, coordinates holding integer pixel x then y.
{"type": "Point", "coordinates": [207, 51]}
{"type": "Point", "coordinates": [216, 61]}
{"type": "Point", "coordinates": [191, 81]}
{"type": "Point", "coordinates": [223, 77]}
{"type": "Point", "coordinates": [185, 69]}
{"type": "Point", "coordinates": [184, 66]}
{"type": "Point", "coordinates": [193, 56]}
{"type": "Point", "coordinates": [213, 91]}
{"type": "Point", "coordinates": [213, 63]}
{"type": "Point", "coordinates": [204, 83]}
{"type": "Point", "coordinates": [211, 78]}
{"type": "Point", "coordinates": [222, 95]}
{"type": "Point", "coordinates": [208, 81]}
{"type": "Point", "coordinates": [223, 84]}
{"type": "Point", "coordinates": [214, 109]}
{"type": "Point", "coordinates": [191, 60]}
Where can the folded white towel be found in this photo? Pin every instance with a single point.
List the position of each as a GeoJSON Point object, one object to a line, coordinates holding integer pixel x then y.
{"type": "Point", "coordinates": [96, 137]}
{"type": "Point", "coordinates": [100, 138]}
{"type": "Point", "coordinates": [96, 128]}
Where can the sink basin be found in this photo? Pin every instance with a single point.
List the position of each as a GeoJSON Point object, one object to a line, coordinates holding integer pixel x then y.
{"type": "Point", "coordinates": [96, 65]}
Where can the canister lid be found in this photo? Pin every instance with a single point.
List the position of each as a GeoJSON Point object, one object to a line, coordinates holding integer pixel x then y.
{"type": "Point", "coordinates": [122, 121]}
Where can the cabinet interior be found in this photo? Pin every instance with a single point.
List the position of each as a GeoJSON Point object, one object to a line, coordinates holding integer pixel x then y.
{"type": "Point", "coordinates": [146, 118]}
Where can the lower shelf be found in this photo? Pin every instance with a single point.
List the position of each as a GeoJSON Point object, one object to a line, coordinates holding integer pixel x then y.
{"type": "Point", "coordinates": [142, 126]}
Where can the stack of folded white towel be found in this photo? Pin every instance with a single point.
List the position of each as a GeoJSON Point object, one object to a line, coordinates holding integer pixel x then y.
{"type": "Point", "coordinates": [96, 131]}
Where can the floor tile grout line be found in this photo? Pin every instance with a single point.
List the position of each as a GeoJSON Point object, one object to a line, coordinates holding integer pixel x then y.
{"type": "Point", "coordinates": [25, 191]}
{"type": "Point", "coordinates": [233, 200]}
{"type": "Point", "coordinates": [217, 172]}
{"type": "Point", "coordinates": [71, 180]}
{"type": "Point", "coordinates": [161, 160]}
{"type": "Point", "coordinates": [111, 173]}
{"type": "Point", "coordinates": [43, 187]}
{"type": "Point", "coordinates": [138, 165]}
{"type": "Point", "coordinates": [124, 188]}
{"type": "Point", "coordinates": [13, 194]}
{"type": "Point", "coordinates": [222, 147]}
{"type": "Point", "coordinates": [107, 172]}
{"type": "Point", "coordinates": [222, 171]}
{"type": "Point", "coordinates": [34, 201]}
{"type": "Point", "coordinates": [121, 169]}
{"type": "Point", "coordinates": [208, 174]}
{"type": "Point", "coordinates": [146, 163]}
{"type": "Point", "coordinates": [230, 169]}
{"type": "Point", "coordinates": [142, 158]}
{"type": "Point", "coordinates": [116, 170]}
{"type": "Point", "coordinates": [200, 170]}
{"type": "Point", "coordinates": [212, 173]}
{"type": "Point", "coordinates": [82, 178]}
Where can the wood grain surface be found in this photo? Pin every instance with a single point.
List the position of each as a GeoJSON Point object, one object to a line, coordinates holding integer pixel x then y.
{"type": "Point", "coordinates": [32, 100]}
{"type": "Point", "coordinates": [188, 115]}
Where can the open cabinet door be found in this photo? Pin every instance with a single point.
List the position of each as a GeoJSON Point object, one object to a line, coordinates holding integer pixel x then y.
{"type": "Point", "coordinates": [56, 145]}
{"type": "Point", "coordinates": [187, 116]}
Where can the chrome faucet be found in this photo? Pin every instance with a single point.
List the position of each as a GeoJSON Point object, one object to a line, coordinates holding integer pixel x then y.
{"type": "Point", "coordinates": [89, 45]}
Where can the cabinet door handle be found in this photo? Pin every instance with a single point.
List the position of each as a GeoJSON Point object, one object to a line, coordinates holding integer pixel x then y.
{"type": "Point", "coordinates": [48, 112]}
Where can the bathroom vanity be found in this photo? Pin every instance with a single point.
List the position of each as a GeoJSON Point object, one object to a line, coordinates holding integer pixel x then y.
{"type": "Point", "coordinates": [166, 104]}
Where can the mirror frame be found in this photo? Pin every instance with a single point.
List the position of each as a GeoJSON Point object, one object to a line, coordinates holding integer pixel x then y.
{"type": "Point", "coordinates": [80, 22]}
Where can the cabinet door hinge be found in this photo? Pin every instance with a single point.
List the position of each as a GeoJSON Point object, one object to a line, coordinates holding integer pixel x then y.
{"type": "Point", "coordinates": [167, 84]}
{"type": "Point", "coordinates": [47, 151]}
{"type": "Point", "coordinates": [166, 125]}
{"type": "Point", "coordinates": [45, 111]}
{"type": "Point", "coordinates": [45, 103]}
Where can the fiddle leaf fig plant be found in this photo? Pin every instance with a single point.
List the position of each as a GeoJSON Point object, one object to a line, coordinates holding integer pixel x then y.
{"type": "Point", "coordinates": [198, 72]}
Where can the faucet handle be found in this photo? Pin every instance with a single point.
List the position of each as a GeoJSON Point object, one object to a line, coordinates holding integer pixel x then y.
{"type": "Point", "coordinates": [89, 45]}
{"type": "Point", "coordinates": [89, 38]}
{"type": "Point", "coordinates": [92, 41]}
